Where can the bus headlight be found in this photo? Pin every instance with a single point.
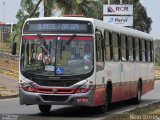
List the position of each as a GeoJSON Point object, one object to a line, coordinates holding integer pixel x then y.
{"type": "Point", "coordinates": [27, 87]}
{"type": "Point", "coordinates": [83, 89]}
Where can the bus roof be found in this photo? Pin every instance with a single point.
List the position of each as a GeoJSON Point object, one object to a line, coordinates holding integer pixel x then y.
{"type": "Point", "coordinates": [102, 25]}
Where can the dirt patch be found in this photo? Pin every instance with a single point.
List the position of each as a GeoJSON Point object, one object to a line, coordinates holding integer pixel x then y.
{"type": "Point", "coordinates": [4, 92]}
{"type": "Point", "coordinates": [9, 64]}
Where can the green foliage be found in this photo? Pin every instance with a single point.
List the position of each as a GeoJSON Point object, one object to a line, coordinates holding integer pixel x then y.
{"type": "Point", "coordinates": [141, 20]}
{"type": "Point", "coordinates": [23, 13]}
{"type": "Point", "coordinates": [48, 7]}
{"type": "Point", "coordinates": [89, 8]}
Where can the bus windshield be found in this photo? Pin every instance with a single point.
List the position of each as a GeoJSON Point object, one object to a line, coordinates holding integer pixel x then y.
{"type": "Point", "coordinates": [57, 55]}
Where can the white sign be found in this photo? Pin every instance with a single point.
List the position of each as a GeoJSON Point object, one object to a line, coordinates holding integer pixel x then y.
{"type": "Point", "coordinates": [117, 9]}
{"type": "Point", "coordinates": [119, 20]}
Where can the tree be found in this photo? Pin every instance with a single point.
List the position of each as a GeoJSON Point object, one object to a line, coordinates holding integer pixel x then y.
{"type": "Point", "coordinates": [89, 8]}
{"type": "Point", "coordinates": [48, 7]}
{"type": "Point", "coordinates": [23, 13]}
{"type": "Point", "coordinates": [141, 20]}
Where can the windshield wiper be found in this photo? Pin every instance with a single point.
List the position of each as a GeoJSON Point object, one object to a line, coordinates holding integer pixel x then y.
{"type": "Point", "coordinates": [68, 41]}
{"type": "Point", "coordinates": [43, 43]}
{"type": "Point", "coordinates": [63, 47]}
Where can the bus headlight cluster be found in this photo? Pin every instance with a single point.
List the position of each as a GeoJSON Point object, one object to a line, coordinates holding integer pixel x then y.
{"type": "Point", "coordinates": [26, 86]}
{"type": "Point", "coordinates": [83, 89]}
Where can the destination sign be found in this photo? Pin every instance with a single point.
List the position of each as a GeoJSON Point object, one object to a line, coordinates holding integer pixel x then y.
{"type": "Point", "coordinates": [58, 26]}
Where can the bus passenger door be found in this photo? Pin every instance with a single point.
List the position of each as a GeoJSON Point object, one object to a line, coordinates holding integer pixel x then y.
{"type": "Point", "coordinates": [100, 76]}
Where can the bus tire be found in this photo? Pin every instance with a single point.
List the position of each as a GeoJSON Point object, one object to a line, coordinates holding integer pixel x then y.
{"type": "Point", "coordinates": [103, 108]}
{"type": "Point", "coordinates": [137, 99]}
{"type": "Point", "coordinates": [44, 108]}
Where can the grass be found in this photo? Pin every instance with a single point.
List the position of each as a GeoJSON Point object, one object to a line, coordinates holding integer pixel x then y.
{"type": "Point", "coordinates": [5, 46]}
{"type": "Point", "coordinates": [150, 112]}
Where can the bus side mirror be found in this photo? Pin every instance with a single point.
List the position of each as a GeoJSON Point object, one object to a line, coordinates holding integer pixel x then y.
{"type": "Point", "coordinates": [14, 47]}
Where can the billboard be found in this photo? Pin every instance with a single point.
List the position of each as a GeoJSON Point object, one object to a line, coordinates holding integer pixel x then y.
{"type": "Point", "coordinates": [119, 20]}
{"type": "Point", "coordinates": [117, 9]}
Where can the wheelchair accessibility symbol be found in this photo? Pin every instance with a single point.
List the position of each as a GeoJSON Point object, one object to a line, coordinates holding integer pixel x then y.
{"type": "Point", "coordinates": [59, 70]}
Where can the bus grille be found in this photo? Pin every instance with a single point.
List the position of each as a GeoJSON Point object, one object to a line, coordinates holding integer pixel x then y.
{"type": "Point", "coordinates": [54, 98]}
{"type": "Point", "coordinates": [56, 83]}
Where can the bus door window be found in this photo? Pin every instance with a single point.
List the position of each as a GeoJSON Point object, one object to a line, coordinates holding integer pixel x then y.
{"type": "Point", "coordinates": [107, 46]}
{"type": "Point", "coordinates": [99, 51]}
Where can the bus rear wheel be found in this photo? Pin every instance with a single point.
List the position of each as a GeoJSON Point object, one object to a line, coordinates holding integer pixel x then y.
{"type": "Point", "coordinates": [44, 108]}
{"type": "Point", "coordinates": [137, 99]}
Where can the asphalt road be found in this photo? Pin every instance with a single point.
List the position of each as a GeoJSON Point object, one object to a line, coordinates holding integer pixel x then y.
{"type": "Point", "coordinates": [10, 108]}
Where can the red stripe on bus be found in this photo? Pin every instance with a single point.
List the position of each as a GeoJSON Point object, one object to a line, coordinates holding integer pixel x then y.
{"type": "Point", "coordinates": [99, 96]}
{"type": "Point", "coordinates": [58, 38]}
{"type": "Point", "coordinates": [129, 90]}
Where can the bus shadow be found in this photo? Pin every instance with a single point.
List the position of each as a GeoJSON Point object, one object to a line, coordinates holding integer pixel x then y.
{"type": "Point", "coordinates": [89, 111]}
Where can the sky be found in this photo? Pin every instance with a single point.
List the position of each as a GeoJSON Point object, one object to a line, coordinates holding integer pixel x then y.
{"type": "Point", "coordinates": [8, 13]}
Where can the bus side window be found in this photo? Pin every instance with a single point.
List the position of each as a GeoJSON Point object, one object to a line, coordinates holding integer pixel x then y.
{"type": "Point", "coordinates": [142, 50]}
{"type": "Point", "coordinates": [136, 44]}
{"type": "Point", "coordinates": [151, 51]}
{"type": "Point", "coordinates": [107, 46]}
{"type": "Point", "coordinates": [115, 47]}
{"type": "Point", "coordinates": [148, 51]}
{"type": "Point", "coordinates": [123, 48]}
{"type": "Point", "coordinates": [130, 49]}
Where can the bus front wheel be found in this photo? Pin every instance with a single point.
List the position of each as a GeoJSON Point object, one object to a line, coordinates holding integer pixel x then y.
{"type": "Point", "coordinates": [44, 108]}
{"type": "Point", "coordinates": [103, 108]}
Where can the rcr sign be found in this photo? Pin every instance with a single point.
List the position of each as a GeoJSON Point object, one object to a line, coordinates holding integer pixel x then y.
{"type": "Point", "coordinates": [122, 9]}
{"type": "Point", "coordinates": [119, 20]}
{"type": "Point", "coordinates": [118, 9]}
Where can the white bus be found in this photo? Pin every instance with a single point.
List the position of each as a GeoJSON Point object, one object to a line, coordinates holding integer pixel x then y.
{"type": "Point", "coordinates": [84, 62]}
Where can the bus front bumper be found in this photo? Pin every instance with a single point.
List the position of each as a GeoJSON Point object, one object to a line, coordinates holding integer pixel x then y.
{"type": "Point", "coordinates": [80, 99]}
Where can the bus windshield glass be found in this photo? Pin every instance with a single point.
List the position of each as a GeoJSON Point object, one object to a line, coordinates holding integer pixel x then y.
{"type": "Point", "coordinates": [57, 55]}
